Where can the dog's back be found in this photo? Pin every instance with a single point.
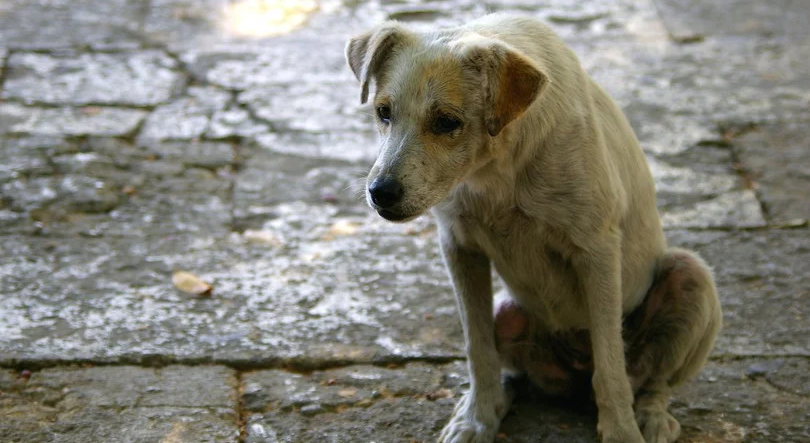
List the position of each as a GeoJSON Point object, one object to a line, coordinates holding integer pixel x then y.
{"type": "Point", "coordinates": [582, 163]}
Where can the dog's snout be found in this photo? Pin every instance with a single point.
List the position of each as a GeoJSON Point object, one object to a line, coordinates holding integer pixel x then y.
{"type": "Point", "coordinates": [385, 191]}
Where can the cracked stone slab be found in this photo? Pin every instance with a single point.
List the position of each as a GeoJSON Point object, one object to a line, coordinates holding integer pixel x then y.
{"type": "Point", "coordinates": [267, 179]}
{"type": "Point", "coordinates": [235, 122]}
{"type": "Point", "coordinates": [307, 284]}
{"type": "Point", "coordinates": [3, 55]}
{"type": "Point", "coordinates": [722, 79]}
{"type": "Point", "coordinates": [186, 118]}
{"type": "Point", "coordinates": [311, 107]}
{"type": "Point", "coordinates": [274, 299]}
{"type": "Point", "coordinates": [697, 188]}
{"type": "Point", "coordinates": [61, 24]}
{"type": "Point", "coordinates": [787, 374]}
{"type": "Point", "coordinates": [760, 413]}
{"type": "Point", "coordinates": [362, 385]}
{"type": "Point", "coordinates": [151, 78]}
{"type": "Point", "coordinates": [733, 209]}
{"type": "Point", "coordinates": [691, 19]}
{"type": "Point", "coordinates": [92, 120]}
{"type": "Point", "coordinates": [111, 187]}
{"type": "Point", "coordinates": [344, 146]}
{"type": "Point", "coordinates": [355, 404]}
{"type": "Point", "coordinates": [762, 280]}
{"type": "Point", "coordinates": [568, 17]}
{"type": "Point", "coordinates": [120, 404]}
{"type": "Point", "coordinates": [662, 133]}
{"type": "Point", "coordinates": [26, 157]}
{"type": "Point", "coordinates": [277, 64]}
{"type": "Point", "coordinates": [778, 161]}
{"type": "Point", "coordinates": [191, 24]}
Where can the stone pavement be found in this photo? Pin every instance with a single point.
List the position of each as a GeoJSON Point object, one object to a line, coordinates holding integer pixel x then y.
{"type": "Point", "coordinates": [224, 138]}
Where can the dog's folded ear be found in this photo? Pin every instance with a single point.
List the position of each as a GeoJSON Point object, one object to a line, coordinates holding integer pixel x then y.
{"type": "Point", "coordinates": [512, 82]}
{"type": "Point", "coordinates": [367, 53]}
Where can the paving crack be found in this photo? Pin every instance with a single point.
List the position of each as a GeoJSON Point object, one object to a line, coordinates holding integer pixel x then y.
{"type": "Point", "coordinates": [241, 412]}
{"type": "Point", "coordinates": [4, 70]}
{"type": "Point", "coordinates": [161, 361]}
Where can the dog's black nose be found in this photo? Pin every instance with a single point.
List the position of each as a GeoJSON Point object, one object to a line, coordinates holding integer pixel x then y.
{"type": "Point", "coordinates": [385, 191]}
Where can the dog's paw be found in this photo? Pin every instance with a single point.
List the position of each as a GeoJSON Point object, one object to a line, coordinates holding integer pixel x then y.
{"type": "Point", "coordinates": [658, 426]}
{"type": "Point", "coordinates": [619, 432]}
{"type": "Point", "coordinates": [474, 421]}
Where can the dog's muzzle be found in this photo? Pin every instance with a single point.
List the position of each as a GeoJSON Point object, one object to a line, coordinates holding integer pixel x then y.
{"type": "Point", "coordinates": [386, 193]}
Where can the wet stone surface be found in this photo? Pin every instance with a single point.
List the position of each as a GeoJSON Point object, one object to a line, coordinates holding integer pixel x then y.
{"type": "Point", "coordinates": [91, 120]}
{"type": "Point", "coordinates": [120, 404]}
{"type": "Point", "coordinates": [273, 302]}
{"type": "Point", "coordinates": [777, 159]}
{"type": "Point", "coordinates": [762, 278]}
{"type": "Point", "coordinates": [60, 24]}
{"type": "Point", "coordinates": [55, 186]}
{"type": "Point", "coordinates": [79, 79]}
{"type": "Point", "coordinates": [358, 402]}
{"type": "Point", "coordinates": [185, 118]}
{"type": "Point", "coordinates": [693, 19]}
{"type": "Point", "coordinates": [722, 79]}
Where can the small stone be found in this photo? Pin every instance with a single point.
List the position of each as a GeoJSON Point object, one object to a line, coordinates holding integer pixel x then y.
{"type": "Point", "coordinates": [762, 368]}
{"type": "Point", "coordinates": [310, 410]}
{"type": "Point", "coordinates": [441, 393]}
{"type": "Point", "coordinates": [347, 392]}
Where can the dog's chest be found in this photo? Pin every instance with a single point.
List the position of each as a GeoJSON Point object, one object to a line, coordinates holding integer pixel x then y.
{"type": "Point", "coordinates": [532, 261]}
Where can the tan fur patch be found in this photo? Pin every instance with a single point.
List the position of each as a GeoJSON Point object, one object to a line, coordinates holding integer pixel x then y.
{"type": "Point", "coordinates": [518, 83]}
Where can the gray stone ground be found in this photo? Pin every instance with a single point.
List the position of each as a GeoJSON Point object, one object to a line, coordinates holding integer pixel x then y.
{"type": "Point", "coordinates": [142, 137]}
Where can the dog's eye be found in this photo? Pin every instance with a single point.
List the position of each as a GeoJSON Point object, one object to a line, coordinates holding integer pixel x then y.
{"type": "Point", "coordinates": [445, 125]}
{"type": "Point", "coordinates": [384, 112]}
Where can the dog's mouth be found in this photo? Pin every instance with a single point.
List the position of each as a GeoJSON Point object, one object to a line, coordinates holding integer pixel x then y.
{"type": "Point", "coordinates": [395, 216]}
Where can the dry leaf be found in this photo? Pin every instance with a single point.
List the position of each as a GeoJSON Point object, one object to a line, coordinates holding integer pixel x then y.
{"type": "Point", "coordinates": [191, 284]}
{"type": "Point", "coordinates": [347, 392]}
{"type": "Point", "coordinates": [91, 110]}
{"type": "Point", "coordinates": [128, 190]}
{"type": "Point", "coordinates": [342, 228]}
{"type": "Point", "coordinates": [262, 236]}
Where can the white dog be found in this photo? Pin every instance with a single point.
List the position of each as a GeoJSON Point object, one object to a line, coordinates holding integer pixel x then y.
{"type": "Point", "coordinates": [529, 166]}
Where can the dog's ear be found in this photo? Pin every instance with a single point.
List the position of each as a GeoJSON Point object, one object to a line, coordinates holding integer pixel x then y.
{"type": "Point", "coordinates": [368, 52]}
{"type": "Point", "coordinates": [512, 82]}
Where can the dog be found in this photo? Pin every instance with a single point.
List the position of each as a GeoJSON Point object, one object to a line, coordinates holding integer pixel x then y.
{"type": "Point", "coordinates": [529, 166]}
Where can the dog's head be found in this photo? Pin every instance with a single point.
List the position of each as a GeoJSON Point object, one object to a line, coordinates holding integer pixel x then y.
{"type": "Point", "coordinates": [440, 101]}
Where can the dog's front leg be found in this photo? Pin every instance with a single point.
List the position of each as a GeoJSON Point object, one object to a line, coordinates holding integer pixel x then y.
{"type": "Point", "coordinates": [479, 412]}
{"type": "Point", "coordinates": [599, 268]}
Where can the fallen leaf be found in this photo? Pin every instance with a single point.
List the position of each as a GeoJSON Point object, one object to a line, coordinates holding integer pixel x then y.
{"type": "Point", "coordinates": [364, 403]}
{"type": "Point", "coordinates": [191, 284]}
{"type": "Point", "coordinates": [342, 228]}
{"type": "Point", "coordinates": [347, 392]}
{"type": "Point", "coordinates": [91, 110]}
{"type": "Point", "coordinates": [128, 190]}
{"type": "Point", "coordinates": [262, 236]}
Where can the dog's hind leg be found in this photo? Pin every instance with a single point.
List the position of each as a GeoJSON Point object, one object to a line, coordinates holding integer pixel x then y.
{"type": "Point", "coordinates": [669, 338]}
{"type": "Point", "coordinates": [559, 364]}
